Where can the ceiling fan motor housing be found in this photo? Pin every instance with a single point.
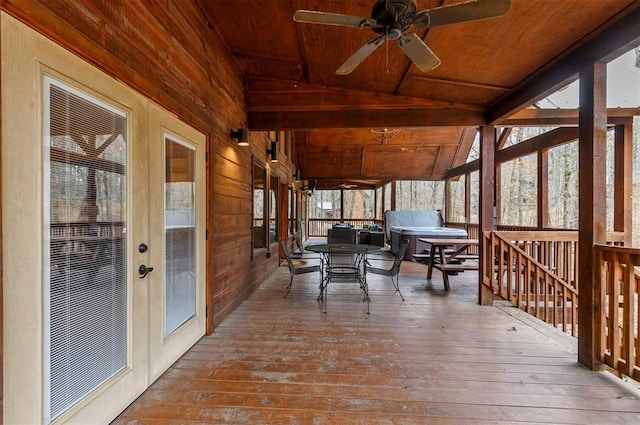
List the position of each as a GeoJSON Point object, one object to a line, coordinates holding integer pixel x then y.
{"type": "Point", "coordinates": [393, 17]}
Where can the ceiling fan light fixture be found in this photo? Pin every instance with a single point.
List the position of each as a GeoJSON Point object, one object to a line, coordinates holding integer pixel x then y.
{"type": "Point", "coordinates": [383, 135]}
{"type": "Point", "coordinates": [394, 31]}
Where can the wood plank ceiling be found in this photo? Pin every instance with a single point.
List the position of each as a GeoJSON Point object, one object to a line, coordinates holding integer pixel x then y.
{"type": "Point", "coordinates": [487, 65]}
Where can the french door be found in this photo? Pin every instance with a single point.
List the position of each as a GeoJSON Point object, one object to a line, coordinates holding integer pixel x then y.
{"type": "Point", "coordinates": [103, 236]}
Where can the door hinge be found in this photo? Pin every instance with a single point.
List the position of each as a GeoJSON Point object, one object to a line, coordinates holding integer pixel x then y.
{"type": "Point", "coordinates": [206, 234]}
{"type": "Point", "coordinates": [206, 157]}
{"type": "Point", "coordinates": [206, 311]}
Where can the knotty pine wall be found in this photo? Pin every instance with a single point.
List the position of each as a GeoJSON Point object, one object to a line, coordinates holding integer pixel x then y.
{"type": "Point", "coordinates": [167, 51]}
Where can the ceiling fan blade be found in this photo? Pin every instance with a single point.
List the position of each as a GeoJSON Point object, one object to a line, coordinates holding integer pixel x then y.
{"type": "Point", "coordinates": [326, 18]}
{"type": "Point", "coordinates": [418, 52]}
{"type": "Point", "coordinates": [462, 12]}
{"type": "Point", "coordinates": [362, 53]}
{"type": "Point", "coordinates": [344, 185]}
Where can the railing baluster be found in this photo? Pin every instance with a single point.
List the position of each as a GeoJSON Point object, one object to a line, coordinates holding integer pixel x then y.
{"type": "Point", "coordinates": [529, 273]}
{"type": "Point", "coordinates": [636, 315]}
{"type": "Point", "coordinates": [620, 317]}
{"type": "Point", "coordinates": [616, 339]}
{"type": "Point", "coordinates": [629, 313]}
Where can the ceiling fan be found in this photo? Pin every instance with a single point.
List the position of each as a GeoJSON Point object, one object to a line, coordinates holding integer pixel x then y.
{"type": "Point", "coordinates": [391, 18]}
{"type": "Point", "coordinates": [309, 189]}
{"type": "Point", "coordinates": [344, 185]}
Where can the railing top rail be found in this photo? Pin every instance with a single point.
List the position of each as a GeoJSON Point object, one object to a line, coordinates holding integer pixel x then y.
{"type": "Point", "coordinates": [540, 235]}
{"type": "Point", "coordinates": [615, 236]}
{"type": "Point", "coordinates": [85, 223]}
{"type": "Point", "coordinates": [551, 235]}
{"type": "Point", "coordinates": [633, 251]}
{"type": "Point", "coordinates": [344, 219]}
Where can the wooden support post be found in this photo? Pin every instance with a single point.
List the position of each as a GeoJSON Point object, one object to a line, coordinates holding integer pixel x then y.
{"type": "Point", "coordinates": [467, 198]}
{"type": "Point", "coordinates": [283, 230]}
{"type": "Point", "coordinates": [304, 214]}
{"type": "Point", "coordinates": [447, 200]}
{"type": "Point", "coordinates": [375, 202]}
{"type": "Point", "coordinates": [393, 195]}
{"type": "Point", "coordinates": [543, 189]}
{"type": "Point", "coordinates": [622, 202]}
{"type": "Point", "coordinates": [498, 194]}
{"type": "Point", "coordinates": [501, 141]}
{"type": "Point", "coordinates": [592, 213]}
{"type": "Point", "coordinates": [486, 210]}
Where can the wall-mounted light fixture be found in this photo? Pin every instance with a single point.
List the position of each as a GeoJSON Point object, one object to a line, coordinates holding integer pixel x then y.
{"type": "Point", "coordinates": [297, 176]}
{"type": "Point", "coordinates": [241, 135]}
{"type": "Point", "coordinates": [273, 152]}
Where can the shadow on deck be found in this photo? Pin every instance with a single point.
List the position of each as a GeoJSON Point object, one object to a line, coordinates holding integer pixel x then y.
{"type": "Point", "coordinates": [437, 358]}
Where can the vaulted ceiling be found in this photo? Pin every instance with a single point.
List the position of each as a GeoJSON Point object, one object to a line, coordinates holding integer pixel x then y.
{"type": "Point", "coordinates": [490, 69]}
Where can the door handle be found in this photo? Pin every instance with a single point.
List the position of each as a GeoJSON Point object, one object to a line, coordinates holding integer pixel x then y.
{"type": "Point", "coordinates": [143, 271]}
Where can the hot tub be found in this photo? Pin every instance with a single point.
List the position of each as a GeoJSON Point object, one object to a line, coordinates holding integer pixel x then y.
{"type": "Point", "coordinates": [414, 225]}
{"type": "Point", "coordinates": [398, 233]}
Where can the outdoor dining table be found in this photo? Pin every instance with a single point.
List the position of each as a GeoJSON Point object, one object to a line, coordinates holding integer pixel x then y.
{"type": "Point", "coordinates": [86, 252]}
{"type": "Point", "coordinates": [359, 267]}
{"type": "Point", "coordinates": [446, 262]}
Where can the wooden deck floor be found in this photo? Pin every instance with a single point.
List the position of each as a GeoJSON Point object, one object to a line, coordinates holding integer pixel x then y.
{"type": "Point", "coordinates": [437, 358]}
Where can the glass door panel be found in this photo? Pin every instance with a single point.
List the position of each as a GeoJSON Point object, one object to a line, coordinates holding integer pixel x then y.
{"type": "Point", "coordinates": [85, 269]}
{"type": "Point", "coordinates": [177, 188]}
{"type": "Point", "coordinates": [180, 236]}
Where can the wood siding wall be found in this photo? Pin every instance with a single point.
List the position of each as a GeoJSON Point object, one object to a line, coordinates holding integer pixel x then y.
{"type": "Point", "coordinates": [170, 53]}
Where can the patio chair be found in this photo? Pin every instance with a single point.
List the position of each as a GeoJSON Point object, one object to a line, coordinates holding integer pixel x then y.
{"type": "Point", "coordinates": [394, 271]}
{"type": "Point", "coordinates": [344, 266]}
{"type": "Point", "coordinates": [341, 235]}
{"type": "Point", "coordinates": [297, 241]}
{"type": "Point", "coordinates": [293, 269]}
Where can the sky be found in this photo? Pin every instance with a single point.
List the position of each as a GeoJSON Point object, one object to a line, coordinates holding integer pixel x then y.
{"type": "Point", "coordinates": [623, 86]}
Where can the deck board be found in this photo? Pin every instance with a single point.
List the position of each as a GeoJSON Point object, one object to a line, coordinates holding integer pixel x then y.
{"type": "Point", "coordinates": [437, 358]}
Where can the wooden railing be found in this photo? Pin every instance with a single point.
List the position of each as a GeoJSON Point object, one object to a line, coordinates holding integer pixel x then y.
{"type": "Point", "coordinates": [319, 227]}
{"type": "Point", "coordinates": [536, 272]}
{"type": "Point", "coordinates": [472, 233]}
{"type": "Point", "coordinates": [96, 228]}
{"type": "Point", "coordinates": [556, 250]}
{"type": "Point", "coordinates": [619, 276]}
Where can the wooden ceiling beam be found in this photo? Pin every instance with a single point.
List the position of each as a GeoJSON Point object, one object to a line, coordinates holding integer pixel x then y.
{"type": "Point", "coordinates": [307, 120]}
{"type": "Point", "coordinates": [563, 117]}
{"type": "Point", "coordinates": [544, 141]}
{"type": "Point", "coordinates": [463, 169]}
{"type": "Point", "coordinates": [466, 140]}
{"type": "Point", "coordinates": [502, 139]}
{"type": "Point", "coordinates": [608, 43]}
{"type": "Point", "coordinates": [269, 95]}
{"type": "Point", "coordinates": [456, 83]}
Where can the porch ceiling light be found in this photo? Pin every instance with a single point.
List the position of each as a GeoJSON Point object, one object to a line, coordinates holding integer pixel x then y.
{"type": "Point", "coordinates": [383, 135]}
